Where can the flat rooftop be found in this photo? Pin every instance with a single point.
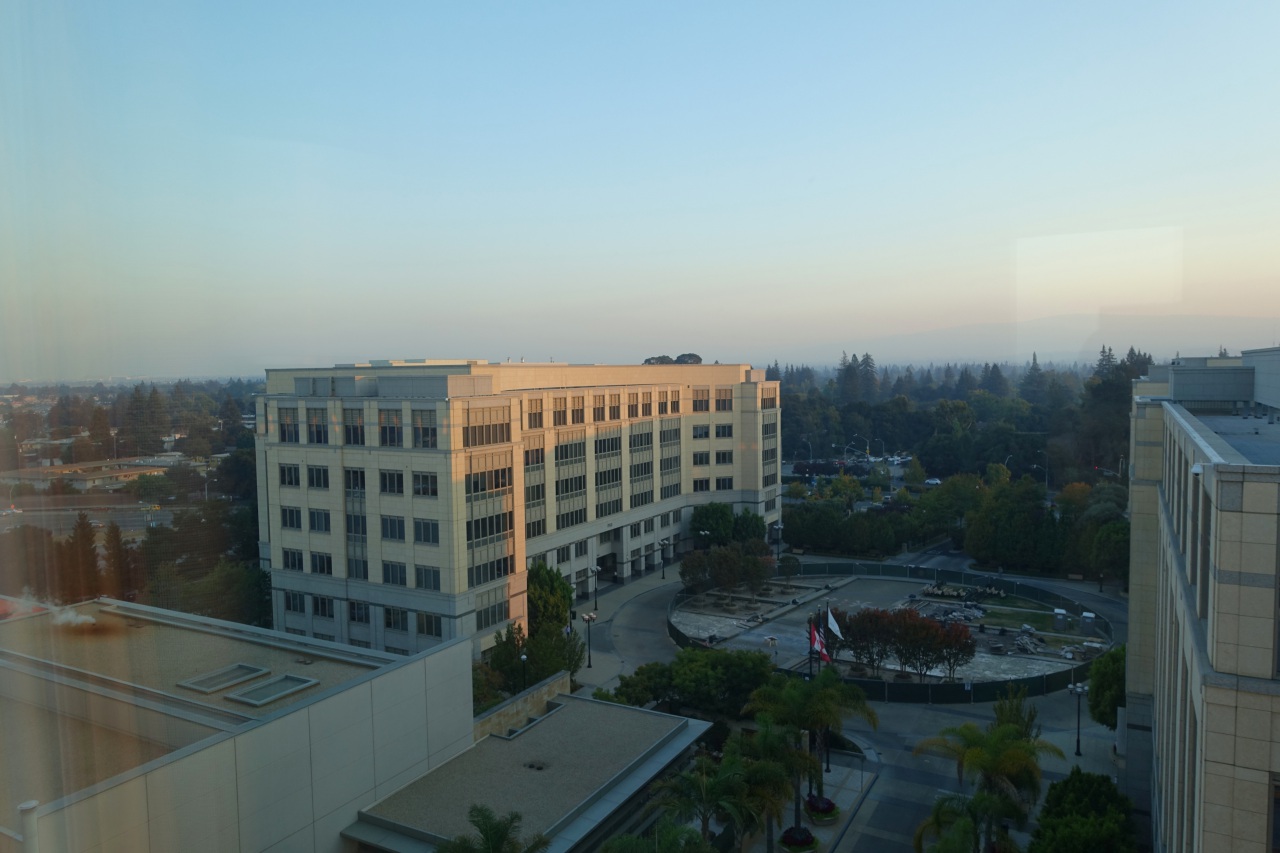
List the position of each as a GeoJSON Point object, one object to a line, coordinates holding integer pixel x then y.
{"type": "Point", "coordinates": [1253, 438]}
{"type": "Point", "coordinates": [94, 690]}
{"type": "Point", "coordinates": [564, 773]}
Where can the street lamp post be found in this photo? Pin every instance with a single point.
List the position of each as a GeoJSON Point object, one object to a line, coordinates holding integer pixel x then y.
{"type": "Point", "coordinates": [524, 672]}
{"type": "Point", "coordinates": [588, 618]}
{"type": "Point", "coordinates": [663, 557]}
{"type": "Point", "coordinates": [595, 574]}
{"type": "Point", "coordinates": [883, 451]}
{"type": "Point", "coordinates": [777, 538]}
{"type": "Point", "coordinates": [868, 441]}
{"type": "Point", "coordinates": [1080, 690]}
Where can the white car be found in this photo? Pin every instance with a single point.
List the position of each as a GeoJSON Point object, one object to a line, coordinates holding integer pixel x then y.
{"type": "Point", "coordinates": [933, 481]}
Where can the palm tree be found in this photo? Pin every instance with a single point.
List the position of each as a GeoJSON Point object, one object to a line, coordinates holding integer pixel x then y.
{"type": "Point", "coordinates": [771, 747]}
{"type": "Point", "coordinates": [956, 822]}
{"type": "Point", "coordinates": [1005, 763]}
{"type": "Point", "coordinates": [702, 792]}
{"type": "Point", "coordinates": [668, 837]}
{"type": "Point", "coordinates": [493, 835]}
{"type": "Point", "coordinates": [815, 705]}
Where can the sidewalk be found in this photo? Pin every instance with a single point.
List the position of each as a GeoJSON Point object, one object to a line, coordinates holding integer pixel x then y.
{"type": "Point", "coordinates": [606, 663]}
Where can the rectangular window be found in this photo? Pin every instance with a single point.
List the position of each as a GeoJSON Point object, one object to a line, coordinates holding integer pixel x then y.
{"type": "Point", "coordinates": [702, 431]}
{"type": "Point", "coordinates": [571, 486]}
{"type": "Point", "coordinates": [769, 399]}
{"type": "Point", "coordinates": [535, 493]}
{"type": "Point", "coordinates": [295, 602]}
{"type": "Point", "coordinates": [560, 411]}
{"type": "Point", "coordinates": [288, 425]}
{"type": "Point", "coordinates": [724, 484]}
{"type": "Point", "coordinates": [322, 606]}
{"type": "Point", "coordinates": [393, 528]}
{"type": "Point", "coordinates": [319, 520]}
{"type": "Point", "coordinates": [702, 399]}
{"type": "Point", "coordinates": [390, 428]}
{"type": "Point", "coordinates": [489, 528]}
{"type": "Point", "coordinates": [641, 498]}
{"type": "Point", "coordinates": [724, 457]}
{"type": "Point", "coordinates": [646, 404]}
{"type": "Point", "coordinates": [359, 644]}
{"type": "Point", "coordinates": [770, 505]}
{"type": "Point", "coordinates": [424, 485]}
{"type": "Point", "coordinates": [353, 427]}
{"type": "Point", "coordinates": [648, 525]}
{"type": "Point", "coordinates": [317, 426]}
{"type": "Point", "coordinates": [703, 485]}
{"type": "Point", "coordinates": [424, 427]}
{"type": "Point", "coordinates": [633, 405]}
{"type": "Point", "coordinates": [321, 564]}
{"type": "Point", "coordinates": [487, 426]}
{"type": "Point", "coordinates": [357, 525]}
{"type": "Point", "coordinates": [597, 407]}
{"type": "Point", "coordinates": [724, 399]}
{"type": "Point", "coordinates": [491, 608]}
{"type": "Point", "coordinates": [537, 527]}
{"type": "Point", "coordinates": [579, 410]}
{"type": "Point", "coordinates": [669, 464]}
{"type": "Point", "coordinates": [533, 415]}
{"type": "Point", "coordinates": [393, 573]}
{"type": "Point", "coordinates": [391, 482]}
{"type": "Point", "coordinates": [581, 548]}
{"type": "Point", "coordinates": [358, 612]}
{"type": "Point", "coordinates": [535, 457]}
{"type": "Point", "coordinates": [430, 625]}
{"type": "Point", "coordinates": [769, 454]}
{"type": "Point", "coordinates": [291, 518]}
{"type": "Point", "coordinates": [724, 430]}
{"type": "Point", "coordinates": [605, 508]}
{"type": "Point", "coordinates": [666, 519]}
{"type": "Point", "coordinates": [670, 490]}
{"type": "Point", "coordinates": [615, 407]}
{"type": "Point", "coordinates": [702, 457]}
{"type": "Point", "coordinates": [357, 569]}
{"type": "Point", "coordinates": [675, 402]}
{"type": "Point", "coordinates": [353, 479]}
{"type": "Point", "coordinates": [604, 538]}
{"type": "Point", "coordinates": [481, 484]}
{"type": "Point", "coordinates": [769, 429]}
{"type": "Point", "coordinates": [641, 440]}
{"type": "Point", "coordinates": [317, 477]}
{"type": "Point", "coordinates": [487, 572]}
{"type": "Point", "coordinates": [426, 531]}
{"type": "Point", "coordinates": [769, 480]}
{"type": "Point", "coordinates": [611, 477]}
{"type": "Point", "coordinates": [574, 451]}
{"type": "Point", "coordinates": [289, 475]}
{"type": "Point", "coordinates": [291, 560]}
{"type": "Point", "coordinates": [426, 577]}
{"type": "Point", "coordinates": [642, 470]}
{"type": "Point", "coordinates": [609, 446]}
{"type": "Point", "coordinates": [570, 518]}
{"type": "Point", "coordinates": [395, 619]}
{"type": "Point", "coordinates": [662, 402]}
{"type": "Point", "coordinates": [562, 554]}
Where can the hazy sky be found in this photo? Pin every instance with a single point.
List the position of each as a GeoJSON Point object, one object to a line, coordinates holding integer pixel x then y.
{"type": "Point", "coordinates": [206, 189]}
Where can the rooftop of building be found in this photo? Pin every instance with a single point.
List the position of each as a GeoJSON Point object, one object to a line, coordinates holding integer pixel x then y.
{"type": "Point", "coordinates": [96, 689]}
{"type": "Point", "coordinates": [568, 770]}
{"type": "Point", "coordinates": [1257, 439]}
{"type": "Point", "coordinates": [505, 377]}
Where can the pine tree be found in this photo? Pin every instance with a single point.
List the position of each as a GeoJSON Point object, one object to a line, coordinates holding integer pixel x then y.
{"type": "Point", "coordinates": [868, 380]}
{"type": "Point", "coordinates": [1034, 384]}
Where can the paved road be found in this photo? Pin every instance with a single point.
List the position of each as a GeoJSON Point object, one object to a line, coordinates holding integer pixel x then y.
{"type": "Point", "coordinates": [60, 521]}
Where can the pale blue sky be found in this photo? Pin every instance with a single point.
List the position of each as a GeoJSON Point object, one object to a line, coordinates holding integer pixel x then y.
{"type": "Point", "coordinates": [211, 189]}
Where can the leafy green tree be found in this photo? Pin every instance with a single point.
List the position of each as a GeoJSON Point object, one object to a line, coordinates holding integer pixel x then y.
{"type": "Point", "coordinates": [915, 474]}
{"type": "Point", "coordinates": [867, 634]}
{"type": "Point", "coordinates": [79, 578]}
{"type": "Point", "coordinates": [958, 647]}
{"type": "Point", "coordinates": [1111, 550]}
{"type": "Point", "coordinates": [494, 835]}
{"type": "Point", "coordinates": [717, 682]}
{"type": "Point", "coordinates": [917, 642]}
{"type": "Point", "coordinates": [695, 570]}
{"type": "Point", "coordinates": [1012, 709]}
{"type": "Point", "coordinates": [956, 822]}
{"type": "Point", "coordinates": [789, 567]}
{"type": "Point", "coordinates": [550, 598]}
{"type": "Point", "coordinates": [725, 568]}
{"type": "Point", "coordinates": [552, 650]}
{"type": "Point", "coordinates": [716, 519]}
{"type": "Point", "coordinates": [1085, 811]}
{"type": "Point", "coordinates": [747, 527]}
{"type": "Point", "coordinates": [1106, 687]}
{"type": "Point", "coordinates": [651, 682]}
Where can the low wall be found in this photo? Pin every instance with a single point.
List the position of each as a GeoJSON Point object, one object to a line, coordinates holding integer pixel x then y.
{"type": "Point", "coordinates": [516, 711]}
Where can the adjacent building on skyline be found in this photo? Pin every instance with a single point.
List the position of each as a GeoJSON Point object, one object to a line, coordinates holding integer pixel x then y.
{"type": "Point", "coordinates": [400, 502]}
{"type": "Point", "coordinates": [1203, 694]}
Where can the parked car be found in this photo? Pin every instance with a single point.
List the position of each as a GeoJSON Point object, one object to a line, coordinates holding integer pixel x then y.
{"type": "Point", "coordinates": [933, 481]}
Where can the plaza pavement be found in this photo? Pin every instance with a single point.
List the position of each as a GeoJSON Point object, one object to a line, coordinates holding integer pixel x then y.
{"type": "Point", "coordinates": [882, 796]}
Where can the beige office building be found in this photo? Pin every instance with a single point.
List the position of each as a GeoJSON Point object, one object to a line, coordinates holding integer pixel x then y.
{"type": "Point", "coordinates": [401, 501]}
{"type": "Point", "coordinates": [1203, 716]}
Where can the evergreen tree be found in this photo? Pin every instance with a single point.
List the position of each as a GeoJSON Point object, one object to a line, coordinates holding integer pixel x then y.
{"type": "Point", "coordinates": [1034, 385]}
{"type": "Point", "coordinates": [868, 380]}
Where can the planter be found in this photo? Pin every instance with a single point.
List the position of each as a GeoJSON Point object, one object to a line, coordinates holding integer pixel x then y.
{"type": "Point", "coordinates": [821, 811]}
{"type": "Point", "coordinates": [797, 839]}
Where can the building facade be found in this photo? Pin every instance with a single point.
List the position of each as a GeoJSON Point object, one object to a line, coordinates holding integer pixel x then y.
{"type": "Point", "coordinates": [1203, 710]}
{"type": "Point", "coordinates": [401, 502]}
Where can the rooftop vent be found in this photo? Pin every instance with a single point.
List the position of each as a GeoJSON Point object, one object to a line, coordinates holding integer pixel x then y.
{"type": "Point", "coordinates": [270, 691]}
{"type": "Point", "coordinates": [219, 679]}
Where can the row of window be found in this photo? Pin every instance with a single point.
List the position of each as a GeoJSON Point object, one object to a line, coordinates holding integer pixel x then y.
{"type": "Point", "coordinates": [425, 484]}
{"type": "Point", "coordinates": [390, 427]}
{"type": "Point", "coordinates": [426, 531]}
{"type": "Point", "coordinates": [723, 484]}
{"type": "Point", "coordinates": [393, 618]}
{"type": "Point", "coordinates": [394, 573]}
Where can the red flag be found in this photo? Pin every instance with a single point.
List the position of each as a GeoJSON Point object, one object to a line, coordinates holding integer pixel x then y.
{"type": "Point", "coordinates": [816, 644]}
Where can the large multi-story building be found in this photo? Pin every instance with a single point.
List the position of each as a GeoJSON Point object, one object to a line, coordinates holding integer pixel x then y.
{"type": "Point", "coordinates": [1203, 715]}
{"type": "Point", "coordinates": [401, 502]}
